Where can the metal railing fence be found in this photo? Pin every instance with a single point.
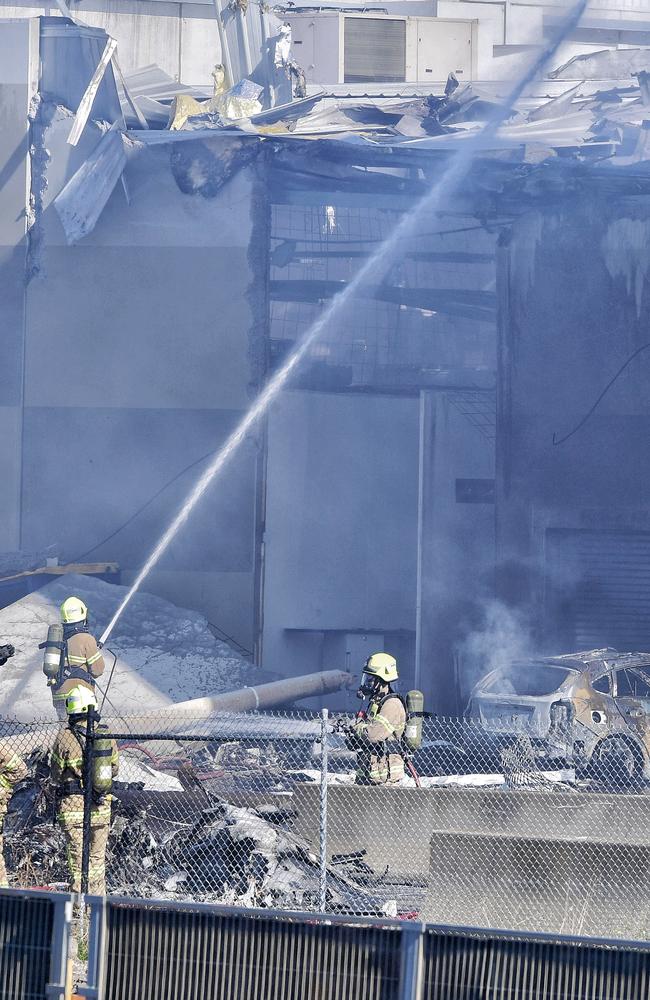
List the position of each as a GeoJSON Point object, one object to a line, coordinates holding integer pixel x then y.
{"type": "Point", "coordinates": [468, 963]}
{"type": "Point", "coordinates": [34, 932]}
{"type": "Point", "coordinates": [159, 949]}
{"type": "Point", "coordinates": [163, 949]}
{"type": "Point", "coordinates": [262, 810]}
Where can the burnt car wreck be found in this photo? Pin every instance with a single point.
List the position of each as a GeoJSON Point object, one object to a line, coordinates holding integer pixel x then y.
{"type": "Point", "coordinates": [590, 709]}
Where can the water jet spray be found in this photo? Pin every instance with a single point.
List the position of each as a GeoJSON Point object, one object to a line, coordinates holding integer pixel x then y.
{"type": "Point", "coordinates": [446, 185]}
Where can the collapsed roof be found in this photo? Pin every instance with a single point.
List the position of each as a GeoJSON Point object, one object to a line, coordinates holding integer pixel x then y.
{"type": "Point", "coordinates": [377, 145]}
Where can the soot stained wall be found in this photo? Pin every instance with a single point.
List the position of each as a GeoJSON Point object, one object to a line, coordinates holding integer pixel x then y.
{"type": "Point", "coordinates": [575, 307]}
{"type": "Point", "coordinates": [139, 360]}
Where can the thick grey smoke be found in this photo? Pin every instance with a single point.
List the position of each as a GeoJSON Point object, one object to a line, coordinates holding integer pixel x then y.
{"type": "Point", "coordinates": [503, 636]}
{"type": "Point", "coordinates": [444, 188]}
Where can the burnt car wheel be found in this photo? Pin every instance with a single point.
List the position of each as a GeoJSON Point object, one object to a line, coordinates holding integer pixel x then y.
{"type": "Point", "coordinates": [617, 761]}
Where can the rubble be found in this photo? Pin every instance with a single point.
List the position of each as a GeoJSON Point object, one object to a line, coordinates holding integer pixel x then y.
{"type": "Point", "coordinates": [228, 854]}
{"type": "Point", "coordinates": [580, 126]}
{"type": "Point", "coordinates": [220, 820]}
{"type": "Point", "coordinates": [34, 843]}
{"type": "Point", "coordinates": [213, 824]}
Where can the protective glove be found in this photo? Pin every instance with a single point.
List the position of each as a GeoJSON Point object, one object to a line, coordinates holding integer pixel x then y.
{"type": "Point", "coordinates": [5, 653]}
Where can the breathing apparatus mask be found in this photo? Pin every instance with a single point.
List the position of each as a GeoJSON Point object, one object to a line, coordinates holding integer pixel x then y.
{"type": "Point", "coordinates": [369, 686]}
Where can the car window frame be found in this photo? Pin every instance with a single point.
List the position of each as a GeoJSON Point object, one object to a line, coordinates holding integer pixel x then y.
{"type": "Point", "coordinates": [639, 673]}
{"type": "Point", "coordinates": [608, 674]}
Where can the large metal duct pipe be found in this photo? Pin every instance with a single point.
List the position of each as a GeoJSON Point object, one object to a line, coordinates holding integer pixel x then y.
{"type": "Point", "coordinates": [249, 699]}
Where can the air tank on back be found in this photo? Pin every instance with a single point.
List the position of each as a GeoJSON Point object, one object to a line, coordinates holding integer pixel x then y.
{"type": "Point", "coordinates": [52, 655]}
{"type": "Point", "coordinates": [413, 730]}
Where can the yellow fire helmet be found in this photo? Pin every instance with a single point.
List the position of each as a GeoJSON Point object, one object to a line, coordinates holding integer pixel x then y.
{"type": "Point", "coordinates": [383, 666]}
{"type": "Point", "coordinates": [73, 610]}
{"type": "Point", "coordinates": [79, 700]}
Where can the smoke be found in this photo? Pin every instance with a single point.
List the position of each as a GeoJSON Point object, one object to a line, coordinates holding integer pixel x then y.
{"type": "Point", "coordinates": [504, 635]}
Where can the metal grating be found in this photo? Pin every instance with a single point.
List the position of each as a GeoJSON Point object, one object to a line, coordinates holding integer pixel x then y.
{"type": "Point", "coordinates": [461, 967]}
{"type": "Point", "coordinates": [424, 327]}
{"type": "Point", "coordinates": [374, 50]}
{"type": "Point", "coordinates": [164, 953]}
{"type": "Point", "coordinates": [480, 410]}
{"type": "Point", "coordinates": [26, 925]}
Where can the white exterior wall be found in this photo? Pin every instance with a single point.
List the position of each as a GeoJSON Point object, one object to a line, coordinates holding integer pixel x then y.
{"type": "Point", "coordinates": [18, 69]}
{"type": "Point", "coordinates": [512, 23]}
{"type": "Point", "coordinates": [128, 355]}
{"type": "Point", "coordinates": [182, 38]}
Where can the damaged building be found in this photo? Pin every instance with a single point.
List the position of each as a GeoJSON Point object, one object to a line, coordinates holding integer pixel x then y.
{"type": "Point", "coordinates": [473, 430]}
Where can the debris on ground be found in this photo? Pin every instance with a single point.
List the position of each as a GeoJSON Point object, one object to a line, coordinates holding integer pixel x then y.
{"type": "Point", "coordinates": [174, 836]}
{"type": "Point", "coordinates": [34, 844]}
{"type": "Point", "coordinates": [220, 853]}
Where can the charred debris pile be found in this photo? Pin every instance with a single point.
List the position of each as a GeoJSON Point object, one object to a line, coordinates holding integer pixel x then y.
{"type": "Point", "coordinates": [208, 821]}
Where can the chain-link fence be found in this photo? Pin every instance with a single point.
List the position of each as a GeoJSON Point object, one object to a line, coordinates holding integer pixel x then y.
{"type": "Point", "coordinates": [492, 829]}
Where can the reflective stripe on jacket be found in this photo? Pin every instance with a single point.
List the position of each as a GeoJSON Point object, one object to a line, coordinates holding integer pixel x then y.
{"type": "Point", "coordinates": [70, 813]}
{"type": "Point", "coordinates": [66, 762]}
{"type": "Point", "coordinates": [83, 664]}
{"type": "Point", "coordinates": [384, 724]}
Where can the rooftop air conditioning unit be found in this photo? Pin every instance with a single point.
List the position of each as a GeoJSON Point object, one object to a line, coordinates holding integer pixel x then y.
{"type": "Point", "coordinates": [334, 47]}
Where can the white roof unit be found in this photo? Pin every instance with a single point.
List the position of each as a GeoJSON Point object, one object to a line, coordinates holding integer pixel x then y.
{"type": "Point", "coordinates": [335, 47]}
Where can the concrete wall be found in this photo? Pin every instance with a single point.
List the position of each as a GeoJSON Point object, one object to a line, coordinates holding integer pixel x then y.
{"type": "Point", "coordinates": [575, 306]}
{"type": "Point", "coordinates": [457, 539]}
{"type": "Point", "coordinates": [18, 81]}
{"type": "Point", "coordinates": [341, 515]}
{"type": "Point", "coordinates": [139, 347]}
{"type": "Point", "coordinates": [507, 29]}
{"type": "Point", "coordinates": [477, 857]}
{"type": "Point", "coordinates": [182, 38]}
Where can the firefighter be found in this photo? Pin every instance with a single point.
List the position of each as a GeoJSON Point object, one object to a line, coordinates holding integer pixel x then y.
{"type": "Point", "coordinates": [82, 661]}
{"type": "Point", "coordinates": [66, 774]}
{"type": "Point", "coordinates": [12, 770]}
{"type": "Point", "coordinates": [376, 735]}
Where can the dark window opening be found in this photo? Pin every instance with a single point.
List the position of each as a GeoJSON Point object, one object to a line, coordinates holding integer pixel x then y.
{"type": "Point", "coordinates": [529, 680]}
{"type": "Point", "coordinates": [632, 684]}
{"type": "Point", "coordinates": [602, 685]}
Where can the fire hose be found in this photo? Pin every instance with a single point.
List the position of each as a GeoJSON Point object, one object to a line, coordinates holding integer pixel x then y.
{"type": "Point", "coordinates": [416, 776]}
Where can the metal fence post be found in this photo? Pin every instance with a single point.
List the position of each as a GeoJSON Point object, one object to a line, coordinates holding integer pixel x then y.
{"type": "Point", "coordinates": [88, 797]}
{"type": "Point", "coordinates": [60, 947]}
{"type": "Point", "coordinates": [323, 811]}
{"type": "Point", "coordinates": [411, 979]}
{"type": "Point", "coordinates": [96, 937]}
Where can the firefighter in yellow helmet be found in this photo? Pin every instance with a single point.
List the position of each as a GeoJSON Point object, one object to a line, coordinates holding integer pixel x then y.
{"type": "Point", "coordinates": [12, 770]}
{"type": "Point", "coordinates": [66, 774]}
{"type": "Point", "coordinates": [81, 660]}
{"type": "Point", "coordinates": [376, 735]}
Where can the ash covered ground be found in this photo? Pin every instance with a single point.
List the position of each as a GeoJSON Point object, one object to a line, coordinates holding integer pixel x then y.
{"type": "Point", "coordinates": [165, 653]}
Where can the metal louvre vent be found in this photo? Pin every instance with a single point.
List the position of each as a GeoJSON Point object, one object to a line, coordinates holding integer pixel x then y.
{"type": "Point", "coordinates": [25, 947]}
{"type": "Point", "coordinates": [464, 967]}
{"type": "Point", "coordinates": [160, 954]}
{"type": "Point", "coordinates": [374, 50]}
{"type": "Point", "coordinates": [604, 579]}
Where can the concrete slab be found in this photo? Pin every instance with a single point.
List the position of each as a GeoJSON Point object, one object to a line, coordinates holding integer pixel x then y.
{"type": "Point", "coordinates": [548, 860]}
